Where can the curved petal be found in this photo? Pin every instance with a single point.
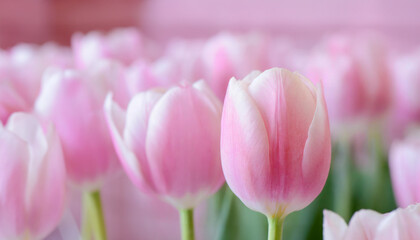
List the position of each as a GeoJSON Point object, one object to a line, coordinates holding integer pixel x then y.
{"type": "Point", "coordinates": [334, 227]}
{"type": "Point", "coordinates": [13, 165]}
{"type": "Point", "coordinates": [136, 124]}
{"type": "Point", "coordinates": [363, 225]}
{"type": "Point", "coordinates": [47, 201]}
{"type": "Point", "coordinates": [287, 104]}
{"type": "Point", "coordinates": [317, 154]}
{"type": "Point", "coordinates": [212, 99]}
{"type": "Point", "coordinates": [244, 148]}
{"type": "Point", "coordinates": [116, 119]}
{"type": "Point", "coordinates": [404, 168]}
{"type": "Point", "coordinates": [183, 146]}
{"type": "Point", "coordinates": [401, 224]}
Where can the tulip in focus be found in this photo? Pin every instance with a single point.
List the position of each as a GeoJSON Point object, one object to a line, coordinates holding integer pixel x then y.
{"type": "Point", "coordinates": [400, 224]}
{"type": "Point", "coordinates": [404, 166]}
{"type": "Point", "coordinates": [169, 144]}
{"type": "Point", "coordinates": [275, 143]}
{"type": "Point", "coordinates": [33, 179]}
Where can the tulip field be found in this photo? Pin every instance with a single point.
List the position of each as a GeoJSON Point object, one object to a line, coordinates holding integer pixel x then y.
{"type": "Point", "coordinates": [242, 136]}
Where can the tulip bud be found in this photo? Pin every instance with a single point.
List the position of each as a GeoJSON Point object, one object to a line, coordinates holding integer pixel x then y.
{"type": "Point", "coordinates": [275, 141]}
{"type": "Point", "coordinates": [169, 142]}
{"type": "Point", "coordinates": [74, 104]}
{"type": "Point", "coordinates": [404, 166]}
{"type": "Point", "coordinates": [32, 182]}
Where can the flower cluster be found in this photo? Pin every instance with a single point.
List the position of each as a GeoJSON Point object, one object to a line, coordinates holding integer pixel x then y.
{"type": "Point", "coordinates": [179, 123]}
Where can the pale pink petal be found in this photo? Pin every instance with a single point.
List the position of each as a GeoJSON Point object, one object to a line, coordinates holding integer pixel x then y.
{"type": "Point", "coordinates": [183, 147]}
{"type": "Point", "coordinates": [334, 227]}
{"type": "Point", "coordinates": [48, 199]}
{"type": "Point", "coordinates": [116, 119]}
{"type": "Point", "coordinates": [13, 165]}
{"type": "Point", "coordinates": [404, 169]}
{"type": "Point", "coordinates": [75, 109]}
{"type": "Point", "coordinates": [401, 224]}
{"type": "Point", "coordinates": [137, 121]}
{"type": "Point", "coordinates": [244, 148]}
{"type": "Point", "coordinates": [317, 153]}
{"type": "Point", "coordinates": [363, 225]}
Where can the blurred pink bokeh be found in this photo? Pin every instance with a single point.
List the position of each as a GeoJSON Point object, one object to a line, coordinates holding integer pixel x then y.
{"type": "Point", "coordinates": [41, 21]}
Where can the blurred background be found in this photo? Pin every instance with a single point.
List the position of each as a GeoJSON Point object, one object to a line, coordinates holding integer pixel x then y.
{"type": "Point", "coordinates": [56, 20]}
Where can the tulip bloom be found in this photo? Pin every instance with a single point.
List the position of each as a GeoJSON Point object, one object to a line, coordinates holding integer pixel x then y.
{"type": "Point", "coordinates": [226, 55]}
{"type": "Point", "coordinates": [404, 166]}
{"type": "Point", "coordinates": [124, 44]}
{"type": "Point", "coordinates": [169, 143]}
{"type": "Point", "coordinates": [355, 75]}
{"type": "Point", "coordinates": [32, 181]}
{"type": "Point", "coordinates": [74, 105]}
{"type": "Point", "coordinates": [275, 142]}
{"type": "Point", "coordinates": [400, 224]}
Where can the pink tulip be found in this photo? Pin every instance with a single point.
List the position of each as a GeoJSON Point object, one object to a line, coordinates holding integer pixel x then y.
{"type": "Point", "coordinates": [355, 75]}
{"type": "Point", "coordinates": [400, 224]}
{"type": "Point", "coordinates": [227, 55]}
{"type": "Point", "coordinates": [73, 102]}
{"type": "Point", "coordinates": [21, 70]}
{"type": "Point", "coordinates": [404, 164]}
{"type": "Point", "coordinates": [169, 142]}
{"type": "Point", "coordinates": [275, 141]}
{"type": "Point", "coordinates": [32, 182]}
{"type": "Point", "coordinates": [406, 108]}
{"type": "Point", "coordinates": [125, 45]}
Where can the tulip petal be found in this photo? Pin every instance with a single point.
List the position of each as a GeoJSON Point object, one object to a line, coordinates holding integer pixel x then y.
{"type": "Point", "coordinates": [15, 155]}
{"type": "Point", "coordinates": [404, 168]}
{"type": "Point", "coordinates": [47, 201]}
{"type": "Point", "coordinates": [363, 225]}
{"type": "Point", "coordinates": [244, 147]}
{"type": "Point", "coordinates": [287, 105]}
{"type": "Point", "coordinates": [184, 132]}
{"type": "Point", "coordinates": [334, 226]}
{"type": "Point", "coordinates": [137, 120]}
{"type": "Point", "coordinates": [401, 224]}
{"type": "Point", "coordinates": [116, 119]}
{"type": "Point", "coordinates": [317, 153]}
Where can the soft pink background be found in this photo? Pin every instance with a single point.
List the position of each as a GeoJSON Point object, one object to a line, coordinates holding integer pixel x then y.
{"type": "Point", "coordinates": [41, 20]}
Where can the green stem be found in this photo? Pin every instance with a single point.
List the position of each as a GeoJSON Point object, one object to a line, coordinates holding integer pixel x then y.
{"type": "Point", "coordinates": [93, 222]}
{"type": "Point", "coordinates": [187, 224]}
{"type": "Point", "coordinates": [86, 226]}
{"type": "Point", "coordinates": [275, 228]}
{"type": "Point", "coordinates": [341, 173]}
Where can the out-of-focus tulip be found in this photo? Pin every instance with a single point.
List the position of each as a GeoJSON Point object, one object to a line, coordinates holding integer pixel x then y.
{"type": "Point", "coordinates": [125, 45]}
{"type": "Point", "coordinates": [74, 103]}
{"type": "Point", "coordinates": [404, 164]}
{"type": "Point", "coordinates": [400, 224]}
{"type": "Point", "coordinates": [353, 92]}
{"type": "Point", "coordinates": [21, 70]}
{"type": "Point", "coordinates": [169, 142]}
{"type": "Point", "coordinates": [406, 109]}
{"type": "Point", "coordinates": [227, 55]}
{"type": "Point", "coordinates": [275, 141]}
{"type": "Point", "coordinates": [33, 179]}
